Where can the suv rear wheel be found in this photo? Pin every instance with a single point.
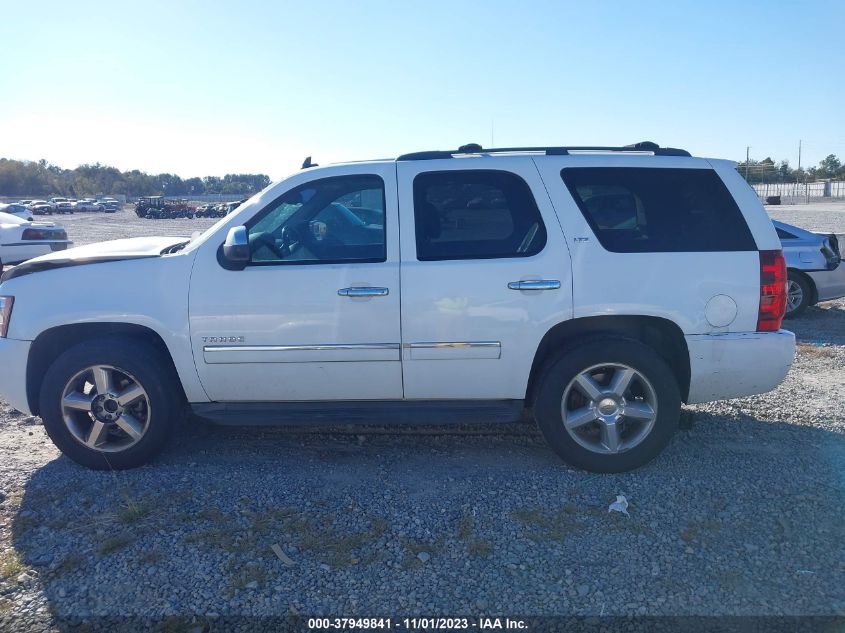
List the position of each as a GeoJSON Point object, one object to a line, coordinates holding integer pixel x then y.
{"type": "Point", "coordinates": [110, 404]}
{"type": "Point", "coordinates": [608, 405]}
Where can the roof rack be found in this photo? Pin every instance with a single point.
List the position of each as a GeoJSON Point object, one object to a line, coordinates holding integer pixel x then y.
{"type": "Point", "coordinates": [475, 148]}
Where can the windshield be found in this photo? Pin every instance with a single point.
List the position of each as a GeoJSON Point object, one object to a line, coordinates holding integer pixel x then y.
{"type": "Point", "coordinates": [199, 238]}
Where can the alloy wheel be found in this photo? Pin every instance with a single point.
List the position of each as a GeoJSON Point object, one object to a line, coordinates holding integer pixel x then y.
{"type": "Point", "coordinates": [794, 295]}
{"type": "Point", "coordinates": [609, 408]}
{"type": "Point", "coordinates": [105, 408]}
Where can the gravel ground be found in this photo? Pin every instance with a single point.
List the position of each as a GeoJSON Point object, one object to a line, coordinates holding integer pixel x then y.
{"type": "Point", "coordinates": [827, 217]}
{"type": "Point", "coordinates": [85, 228]}
{"type": "Point", "coordinates": [741, 515]}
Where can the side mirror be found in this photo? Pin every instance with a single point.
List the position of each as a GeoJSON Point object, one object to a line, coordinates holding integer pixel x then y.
{"type": "Point", "coordinates": [236, 246]}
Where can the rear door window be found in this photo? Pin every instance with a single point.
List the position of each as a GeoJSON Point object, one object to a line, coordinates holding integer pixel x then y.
{"type": "Point", "coordinates": [475, 214]}
{"type": "Point", "coordinates": [641, 210]}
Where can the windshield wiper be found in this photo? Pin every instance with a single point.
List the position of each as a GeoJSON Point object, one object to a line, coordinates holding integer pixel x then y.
{"type": "Point", "coordinates": [175, 247]}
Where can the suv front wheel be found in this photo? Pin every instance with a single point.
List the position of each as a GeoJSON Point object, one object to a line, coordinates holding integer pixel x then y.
{"type": "Point", "coordinates": [608, 405]}
{"type": "Point", "coordinates": [110, 403]}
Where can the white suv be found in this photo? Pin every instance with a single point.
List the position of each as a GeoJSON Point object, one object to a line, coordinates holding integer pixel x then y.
{"type": "Point", "coordinates": [598, 288]}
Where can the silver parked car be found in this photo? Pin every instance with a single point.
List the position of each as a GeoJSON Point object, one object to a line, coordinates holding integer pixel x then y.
{"type": "Point", "coordinates": [814, 267]}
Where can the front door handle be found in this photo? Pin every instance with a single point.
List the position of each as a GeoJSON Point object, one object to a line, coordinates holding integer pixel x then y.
{"type": "Point", "coordinates": [541, 284]}
{"type": "Point", "coordinates": [366, 291]}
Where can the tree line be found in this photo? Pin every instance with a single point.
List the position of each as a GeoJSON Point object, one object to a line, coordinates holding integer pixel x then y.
{"type": "Point", "coordinates": [28, 178]}
{"type": "Point", "coordinates": [767, 170]}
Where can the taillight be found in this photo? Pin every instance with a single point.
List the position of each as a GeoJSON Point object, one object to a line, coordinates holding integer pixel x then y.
{"type": "Point", "coordinates": [5, 314]}
{"type": "Point", "coordinates": [772, 291]}
{"type": "Point", "coordinates": [44, 234]}
{"type": "Point", "coordinates": [830, 252]}
{"type": "Point", "coordinates": [34, 234]}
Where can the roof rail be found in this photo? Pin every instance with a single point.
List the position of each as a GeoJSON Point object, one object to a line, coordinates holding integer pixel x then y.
{"type": "Point", "coordinates": [474, 148]}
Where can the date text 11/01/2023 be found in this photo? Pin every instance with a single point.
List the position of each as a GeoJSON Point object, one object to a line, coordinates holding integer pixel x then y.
{"type": "Point", "coordinates": [434, 624]}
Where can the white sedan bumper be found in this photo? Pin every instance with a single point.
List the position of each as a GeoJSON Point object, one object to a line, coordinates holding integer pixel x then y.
{"type": "Point", "coordinates": [726, 366]}
{"type": "Point", "coordinates": [13, 359]}
{"type": "Point", "coordinates": [17, 252]}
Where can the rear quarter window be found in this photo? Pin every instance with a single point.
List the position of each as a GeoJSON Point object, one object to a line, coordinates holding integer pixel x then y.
{"type": "Point", "coordinates": [643, 210]}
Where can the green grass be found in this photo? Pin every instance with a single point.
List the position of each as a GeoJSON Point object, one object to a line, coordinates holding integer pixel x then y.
{"type": "Point", "coordinates": [151, 557]}
{"type": "Point", "coordinates": [467, 534]}
{"type": "Point", "coordinates": [466, 527]}
{"type": "Point", "coordinates": [415, 546]}
{"type": "Point", "coordinates": [69, 563]}
{"type": "Point", "coordinates": [14, 498]}
{"type": "Point", "coordinates": [480, 547]}
{"type": "Point", "coordinates": [240, 575]}
{"type": "Point", "coordinates": [696, 529]}
{"type": "Point", "coordinates": [10, 564]}
{"type": "Point", "coordinates": [313, 533]}
{"type": "Point", "coordinates": [131, 512]}
{"type": "Point", "coordinates": [113, 544]}
{"type": "Point", "coordinates": [547, 526]}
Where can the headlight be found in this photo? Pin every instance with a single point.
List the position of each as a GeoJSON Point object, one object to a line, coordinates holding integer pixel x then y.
{"type": "Point", "coordinates": [6, 304]}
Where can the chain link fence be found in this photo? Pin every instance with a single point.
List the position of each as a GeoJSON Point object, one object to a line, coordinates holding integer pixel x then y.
{"type": "Point", "coordinates": [801, 192]}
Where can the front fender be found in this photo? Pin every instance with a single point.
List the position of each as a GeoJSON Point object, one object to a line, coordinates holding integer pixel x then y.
{"type": "Point", "coordinates": [151, 293]}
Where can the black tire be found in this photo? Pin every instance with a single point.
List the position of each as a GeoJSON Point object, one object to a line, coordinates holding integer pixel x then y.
{"type": "Point", "coordinates": [143, 362]}
{"type": "Point", "coordinates": [559, 371]}
{"type": "Point", "coordinates": [806, 294]}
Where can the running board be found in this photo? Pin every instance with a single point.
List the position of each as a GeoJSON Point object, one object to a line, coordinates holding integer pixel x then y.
{"type": "Point", "coordinates": [404, 412]}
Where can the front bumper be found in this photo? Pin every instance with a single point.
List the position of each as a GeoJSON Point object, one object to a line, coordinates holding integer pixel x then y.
{"type": "Point", "coordinates": [13, 358]}
{"type": "Point", "coordinates": [726, 366]}
{"type": "Point", "coordinates": [830, 284]}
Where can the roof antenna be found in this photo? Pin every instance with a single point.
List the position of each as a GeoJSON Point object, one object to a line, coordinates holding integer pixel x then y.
{"type": "Point", "coordinates": [307, 163]}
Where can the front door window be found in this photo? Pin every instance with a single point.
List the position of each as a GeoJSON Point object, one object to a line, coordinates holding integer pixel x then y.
{"type": "Point", "coordinates": [333, 220]}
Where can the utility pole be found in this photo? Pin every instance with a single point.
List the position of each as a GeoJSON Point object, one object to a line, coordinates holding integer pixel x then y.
{"type": "Point", "coordinates": [747, 154]}
{"type": "Point", "coordinates": [799, 154]}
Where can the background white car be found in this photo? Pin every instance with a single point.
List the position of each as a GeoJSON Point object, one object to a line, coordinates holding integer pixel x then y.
{"type": "Point", "coordinates": [40, 207]}
{"type": "Point", "coordinates": [61, 205]}
{"type": "Point", "coordinates": [110, 205]}
{"type": "Point", "coordinates": [18, 210]}
{"type": "Point", "coordinates": [21, 240]}
{"type": "Point", "coordinates": [87, 204]}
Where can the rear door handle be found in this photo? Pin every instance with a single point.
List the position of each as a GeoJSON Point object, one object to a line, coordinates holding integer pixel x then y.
{"type": "Point", "coordinates": [366, 291]}
{"type": "Point", "coordinates": [542, 284]}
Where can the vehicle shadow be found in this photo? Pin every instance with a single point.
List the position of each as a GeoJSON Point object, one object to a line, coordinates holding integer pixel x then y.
{"type": "Point", "coordinates": [380, 523]}
{"type": "Point", "coordinates": [824, 323]}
